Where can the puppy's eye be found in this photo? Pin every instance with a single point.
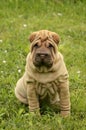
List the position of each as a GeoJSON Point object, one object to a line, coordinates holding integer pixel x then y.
{"type": "Point", "coordinates": [36, 45]}
{"type": "Point", "coordinates": [50, 46]}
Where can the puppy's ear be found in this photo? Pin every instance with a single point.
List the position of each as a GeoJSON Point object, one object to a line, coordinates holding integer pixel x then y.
{"type": "Point", "coordinates": [56, 38]}
{"type": "Point", "coordinates": [32, 37]}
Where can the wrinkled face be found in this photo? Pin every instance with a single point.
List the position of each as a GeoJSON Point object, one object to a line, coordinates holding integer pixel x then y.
{"type": "Point", "coordinates": [43, 50]}
{"type": "Point", "coordinates": [42, 53]}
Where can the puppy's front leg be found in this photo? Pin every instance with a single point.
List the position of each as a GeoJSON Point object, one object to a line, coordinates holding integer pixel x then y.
{"type": "Point", "coordinates": [65, 99]}
{"type": "Point", "coordinates": [33, 100]}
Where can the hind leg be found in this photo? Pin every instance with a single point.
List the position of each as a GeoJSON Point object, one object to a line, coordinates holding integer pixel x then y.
{"type": "Point", "coordinates": [20, 92]}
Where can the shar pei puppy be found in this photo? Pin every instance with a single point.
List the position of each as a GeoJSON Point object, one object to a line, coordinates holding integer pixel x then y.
{"type": "Point", "coordinates": [45, 74]}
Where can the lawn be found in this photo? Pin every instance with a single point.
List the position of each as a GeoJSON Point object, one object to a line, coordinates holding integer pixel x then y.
{"type": "Point", "coordinates": [18, 19]}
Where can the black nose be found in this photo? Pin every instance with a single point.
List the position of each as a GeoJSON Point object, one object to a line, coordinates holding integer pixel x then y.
{"type": "Point", "coordinates": [42, 55]}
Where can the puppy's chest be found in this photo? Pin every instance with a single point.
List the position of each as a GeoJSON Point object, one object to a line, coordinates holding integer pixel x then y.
{"type": "Point", "coordinates": [49, 89]}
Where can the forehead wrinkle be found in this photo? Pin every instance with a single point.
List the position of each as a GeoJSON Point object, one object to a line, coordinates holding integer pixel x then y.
{"type": "Point", "coordinates": [44, 39]}
{"type": "Point", "coordinates": [43, 35]}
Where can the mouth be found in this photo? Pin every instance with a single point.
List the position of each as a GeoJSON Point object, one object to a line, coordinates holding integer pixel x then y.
{"type": "Point", "coordinates": [40, 62]}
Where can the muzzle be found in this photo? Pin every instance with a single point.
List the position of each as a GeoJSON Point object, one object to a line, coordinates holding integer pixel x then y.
{"type": "Point", "coordinates": [43, 59]}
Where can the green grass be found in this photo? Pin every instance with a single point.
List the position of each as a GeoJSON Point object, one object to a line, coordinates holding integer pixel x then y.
{"type": "Point", "coordinates": [18, 18]}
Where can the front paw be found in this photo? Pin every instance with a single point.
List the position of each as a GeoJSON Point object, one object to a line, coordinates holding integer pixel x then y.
{"type": "Point", "coordinates": [35, 112]}
{"type": "Point", "coordinates": [65, 114]}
